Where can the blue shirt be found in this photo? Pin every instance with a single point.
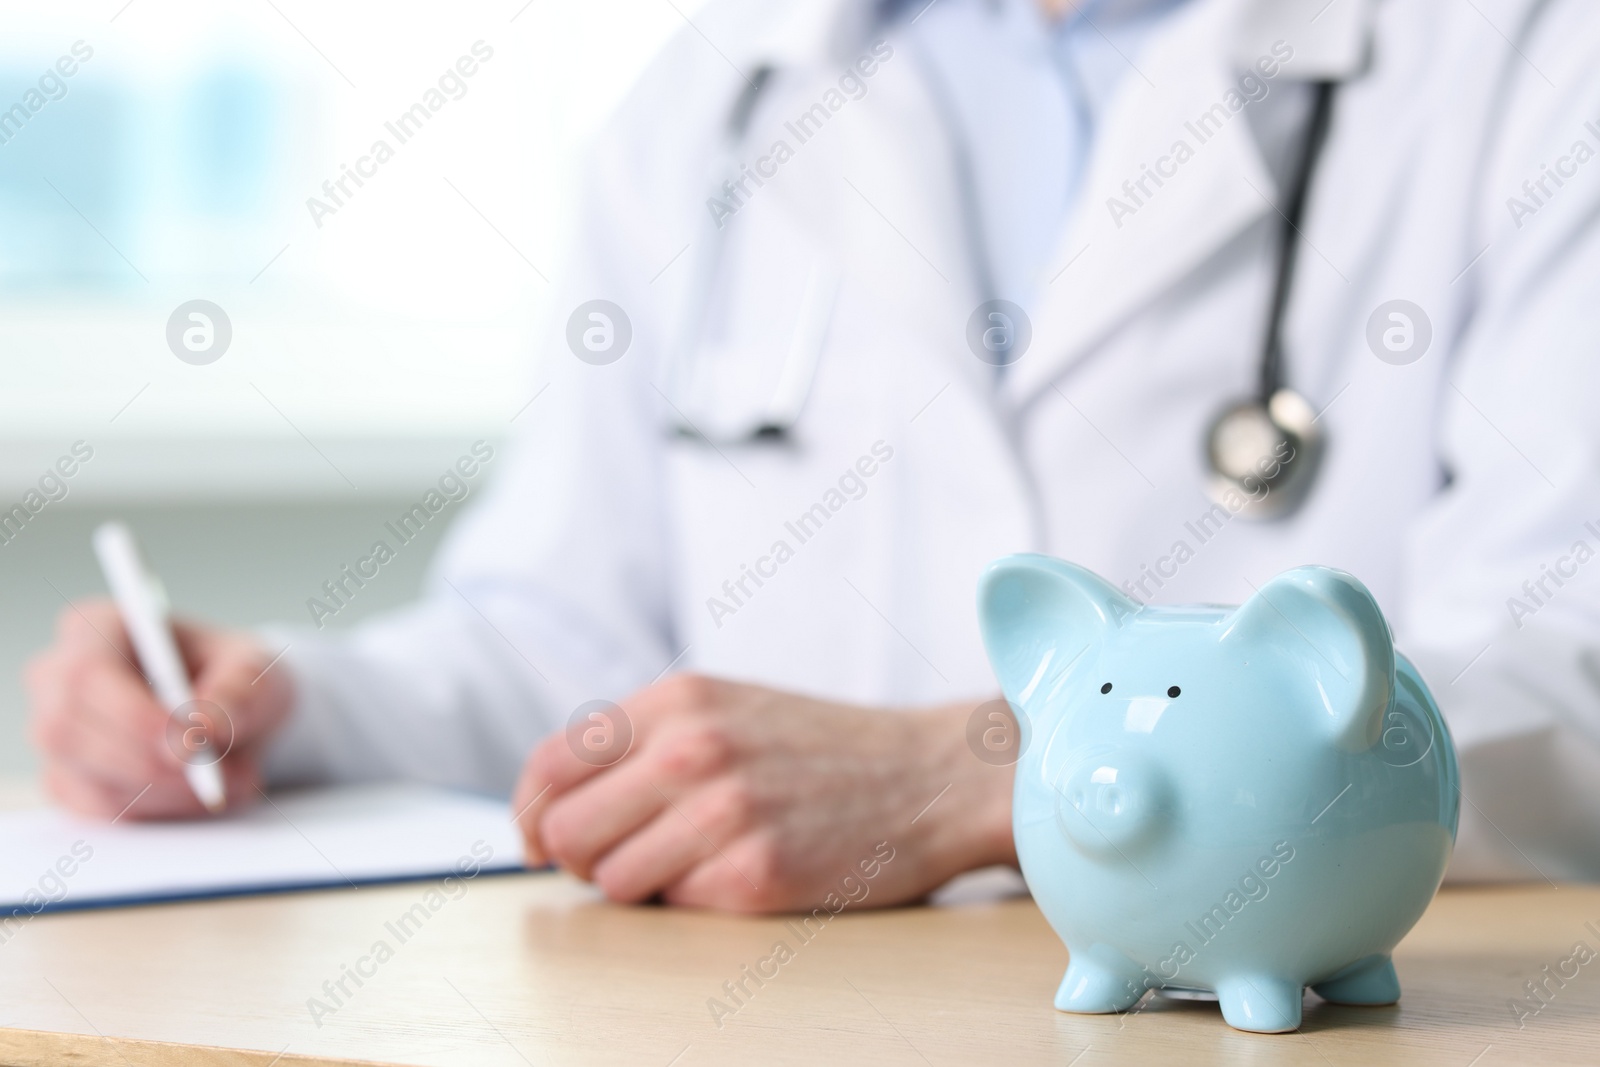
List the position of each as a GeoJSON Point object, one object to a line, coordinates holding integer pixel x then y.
{"type": "Point", "coordinates": [1022, 94]}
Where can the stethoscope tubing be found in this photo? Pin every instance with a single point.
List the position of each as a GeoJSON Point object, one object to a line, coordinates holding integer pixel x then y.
{"type": "Point", "coordinates": [1271, 376]}
{"type": "Point", "coordinates": [1293, 212]}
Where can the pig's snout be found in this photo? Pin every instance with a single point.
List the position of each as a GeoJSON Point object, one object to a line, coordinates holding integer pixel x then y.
{"type": "Point", "coordinates": [1113, 804]}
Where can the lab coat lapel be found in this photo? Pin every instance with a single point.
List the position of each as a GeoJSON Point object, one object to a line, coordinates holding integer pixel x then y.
{"type": "Point", "coordinates": [1136, 231]}
{"type": "Point", "coordinates": [1128, 243]}
{"type": "Point", "coordinates": [880, 177]}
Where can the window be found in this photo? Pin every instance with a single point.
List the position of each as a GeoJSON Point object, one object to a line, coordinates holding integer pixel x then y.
{"type": "Point", "coordinates": [185, 157]}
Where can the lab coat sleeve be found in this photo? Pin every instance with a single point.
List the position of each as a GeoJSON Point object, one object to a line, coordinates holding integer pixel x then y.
{"type": "Point", "coordinates": [1502, 612]}
{"type": "Point", "coordinates": [549, 592]}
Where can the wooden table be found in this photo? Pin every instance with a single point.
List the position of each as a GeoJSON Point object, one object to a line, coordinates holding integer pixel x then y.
{"type": "Point", "coordinates": [534, 969]}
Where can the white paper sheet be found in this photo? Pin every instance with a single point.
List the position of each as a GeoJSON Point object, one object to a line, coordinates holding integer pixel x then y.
{"type": "Point", "coordinates": [51, 861]}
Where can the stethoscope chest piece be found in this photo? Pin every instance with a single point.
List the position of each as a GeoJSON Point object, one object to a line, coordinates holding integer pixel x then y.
{"type": "Point", "coordinates": [1262, 453]}
{"type": "Point", "coordinates": [1263, 457]}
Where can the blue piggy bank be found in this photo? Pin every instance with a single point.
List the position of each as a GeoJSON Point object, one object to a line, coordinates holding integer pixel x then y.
{"type": "Point", "coordinates": [1245, 801]}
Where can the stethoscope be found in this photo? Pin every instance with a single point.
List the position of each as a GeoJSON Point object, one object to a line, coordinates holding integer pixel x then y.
{"type": "Point", "coordinates": [687, 380]}
{"type": "Point", "coordinates": [1262, 452]}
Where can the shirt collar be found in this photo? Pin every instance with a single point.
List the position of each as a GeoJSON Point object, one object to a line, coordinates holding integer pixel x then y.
{"type": "Point", "coordinates": [1331, 39]}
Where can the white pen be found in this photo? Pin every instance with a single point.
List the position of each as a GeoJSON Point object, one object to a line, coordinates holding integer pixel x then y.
{"type": "Point", "coordinates": [142, 602]}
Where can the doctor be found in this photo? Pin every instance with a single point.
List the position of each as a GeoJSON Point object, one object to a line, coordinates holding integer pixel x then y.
{"type": "Point", "coordinates": [866, 295]}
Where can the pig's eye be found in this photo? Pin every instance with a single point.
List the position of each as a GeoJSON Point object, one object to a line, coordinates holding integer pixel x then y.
{"type": "Point", "coordinates": [1106, 688]}
{"type": "Point", "coordinates": [1173, 691]}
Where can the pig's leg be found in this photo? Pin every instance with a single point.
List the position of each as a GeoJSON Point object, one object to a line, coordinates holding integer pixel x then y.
{"type": "Point", "coordinates": [1259, 1004]}
{"type": "Point", "coordinates": [1098, 980]}
{"type": "Point", "coordinates": [1371, 981]}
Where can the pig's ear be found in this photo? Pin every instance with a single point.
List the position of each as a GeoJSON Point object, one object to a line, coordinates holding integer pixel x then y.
{"type": "Point", "coordinates": [1326, 622]}
{"type": "Point", "coordinates": [1038, 615]}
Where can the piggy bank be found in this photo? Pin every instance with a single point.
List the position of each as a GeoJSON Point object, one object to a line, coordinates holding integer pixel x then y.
{"type": "Point", "coordinates": [1242, 801]}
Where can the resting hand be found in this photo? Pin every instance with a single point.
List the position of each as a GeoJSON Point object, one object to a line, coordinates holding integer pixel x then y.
{"type": "Point", "coordinates": [742, 798]}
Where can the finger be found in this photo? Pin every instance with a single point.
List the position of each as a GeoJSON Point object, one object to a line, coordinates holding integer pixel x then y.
{"type": "Point", "coordinates": [176, 799]}
{"type": "Point", "coordinates": [241, 784]}
{"type": "Point", "coordinates": [95, 627]}
{"type": "Point", "coordinates": [562, 760]}
{"type": "Point", "coordinates": [218, 721]}
{"type": "Point", "coordinates": [656, 857]}
{"type": "Point", "coordinates": [115, 765]}
{"type": "Point", "coordinates": [96, 798]}
{"type": "Point", "coordinates": [116, 747]}
{"type": "Point", "coordinates": [168, 796]}
{"type": "Point", "coordinates": [583, 824]}
{"type": "Point", "coordinates": [550, 770]}
{"type": "Point", "coordinates": [197, 643]}
{"type": "Point", "coordinates": [110, 760]}
{"type": "Point", "coordinates": [526, 808]}
{"type": "Point", "coordinates": [736, 878]}
{"type": "Point", "coordinates": [94, 684]}
{"type": "Point", "coordinates": [553, 763]}
{"type": "Point", "coordinates": [691, 829]}
{"type": "Point", "coordinates": [122, 707]}
{"type": "Point", "coordinates": [224, 668]}
{"type": "Point", "coordinates": [553, 769]}
{"type": "Point", "coordinates": [535, 791]}
{"type": "Point", "coordinates": [79, 793]}
{"type": "Point", "coordinates": [223, 665]}
{"type": "Point", "coordinates": [165, 798]}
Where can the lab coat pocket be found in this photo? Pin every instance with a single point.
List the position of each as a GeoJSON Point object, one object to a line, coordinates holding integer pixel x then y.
{"type": "Point", "coordinates": [754, 332]}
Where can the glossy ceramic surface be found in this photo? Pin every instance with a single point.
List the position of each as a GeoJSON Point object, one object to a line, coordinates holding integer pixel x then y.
{"type": "Point", "coordinates": [1245, 801]}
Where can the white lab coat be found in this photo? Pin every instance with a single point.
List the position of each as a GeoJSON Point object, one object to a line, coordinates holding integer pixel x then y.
{"type": "Point", "coordinates": [591, 567]}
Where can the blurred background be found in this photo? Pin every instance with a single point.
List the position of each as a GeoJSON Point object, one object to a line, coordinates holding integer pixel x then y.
{"type": "Point", "coordinates": [367, 353]}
